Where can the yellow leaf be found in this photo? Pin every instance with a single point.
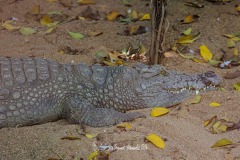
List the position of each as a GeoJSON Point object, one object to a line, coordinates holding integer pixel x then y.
{"type": "Point", "coordinates": [205, 53]}
{"type": "Point", "coordinates": [93, 155]}
{"type": "Point", "coordinates": [156, 140]}
{"type": "Point", "coordinates": [190, 19]}
{"type": "Point", "coordinates": [109, 63]}
{"type": "Point", "coordinates": [50, 30]}
{"type": "Point", "coordinates": [188, 31]}
{"type": "Point", "coordinates": [112, 15]}
{"type": "Point", "coordinates": [237, 8]}
{"type": "Point", "coordinates": [54, 24]}
{"type": "Point", "coordinates": [188, 39]}
{"type": "Point", "coordinates": [214, 104]}
{"type": "Point", "coordinates": [94, 33]}
{"type": "Point", "coordinates": [207, 122]}
{"type": "Point", "coordinates": [197, 99]}
{"type": "Point", "coordinates": [237, 86]}
{"type": "Point", "coordinates": [84, 2]}
{"type": "Point", "coordinates": [235, 39]}
{"type": "Point", "coordinates": [215, 126]}
{"type": "Point", "coordinates": [235, 52]}
{"type": "Point", "coordinates": [124, 125]}
{"type": "Point", "coordinates": [90, 136]}
{"type": "Point", "coordinates": [8, 26]}
{"type": "Point", "coordinates": [159, 111]}
{"type": "Point", "coordinates": [230, 43]}
{"type": "Point", "coordinates": [133, 14]}
{"type": "Point", "coordinates": [223, 128]}
{"type": "Point", "coordinates": [145, 17]}
{"type": "Point", "coordinates": [46, 19]}
{"type": "Point", "coordinates": [222, 142]}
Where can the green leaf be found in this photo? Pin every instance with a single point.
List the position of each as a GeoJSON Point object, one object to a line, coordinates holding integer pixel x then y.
{"type": "Point", "coordinates": [76, 35]}
{"type": "Point", "coordinates": [27, 30]}
{"type": "Point", "coordinates": [196, 100]}
{"type": "Point", "coordinates": [187, 32]}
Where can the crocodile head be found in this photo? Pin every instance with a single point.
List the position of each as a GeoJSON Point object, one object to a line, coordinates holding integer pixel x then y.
{"type": "Point", "coordinates": [160, 87]}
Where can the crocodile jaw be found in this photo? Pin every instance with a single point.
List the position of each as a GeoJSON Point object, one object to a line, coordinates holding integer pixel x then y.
{"type": "Point", "coordinates": [174, 88]}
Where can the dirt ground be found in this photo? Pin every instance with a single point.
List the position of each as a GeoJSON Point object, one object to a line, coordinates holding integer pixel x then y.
{"type": "Point", "coordinates": [182, 129]}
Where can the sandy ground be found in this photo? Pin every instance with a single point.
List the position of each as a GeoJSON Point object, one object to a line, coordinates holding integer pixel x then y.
{"type": "Point", "coordinates": [182, 129]}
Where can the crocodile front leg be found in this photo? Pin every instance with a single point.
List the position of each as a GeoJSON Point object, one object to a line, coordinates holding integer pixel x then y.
{"type": "Point", "coordinates": [79, 110]}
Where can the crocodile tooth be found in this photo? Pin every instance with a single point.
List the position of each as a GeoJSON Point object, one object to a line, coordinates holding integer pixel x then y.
{"type": "Point", "coordinates": [197, 92]}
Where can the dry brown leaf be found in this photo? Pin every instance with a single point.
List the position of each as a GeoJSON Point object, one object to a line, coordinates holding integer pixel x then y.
{"type": "Point", "coordinates": [232, 75]}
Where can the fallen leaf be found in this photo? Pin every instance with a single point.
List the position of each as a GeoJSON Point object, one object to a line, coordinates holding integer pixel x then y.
{"type": "Point", "coordinates": [159, 111]}
{"type": "Point", "coordinates": [237, 8]}
{"type": "Point", "coordinates": [9, 26]}
{"type": "Point", "coordinates": [214, 62]}
{"type": "Point", "coordinates": [76, 35]}
{"type": "Point", "coordinates": [27, 30]}
{"type": "Point", "coordinates": [222, 142]}
{"type": "Point", "coordinates": [135, 30]}
{"type": "Point", "coordinates": [94, 33]}
{"type": "Point", "coordinates": [188, 39]}
{"type": "Point", "coordinates": [90, 136]}
{"type": "Point", "coordinates": [145, 17]}
{"type": "Point", "coordinates": [126, 126]}
{"type": "Point", "coordinates": [237, 86]}
{"type": "Point", "coordinates": [50, 30]}
{"type": "Point", "coordinates": [230, 43]}
{"type": "Point", "coordinates": [188, 31]}
{"type": "Point", "coordinates": [45, 20]}
{"type": "Point", "coordinates": [156, 140]}
{"type": "Point", "coordinates": [133, 14]}
{"type": "Point", "coordinates": [205, 53]}
{"type": "Point", "coordinates": [70, 138]}
{"type": "Point", "coordinates": [232, 75]}
{"type": "Point", "coordinates": [207, 122]}
{"type": "Point", "coordinates": [93, 155]}
{"type": "Point", "coordinates": [54, 13]}
{"type": "Point", "coordinates": [190, 19]}
{"type": "Point", "coordinates": [112, 15]}
{"type": "Point", "coordinates": [196, 100]}
{"type": "Point", "coordinates": [86, 2]}
{"type": "Point", "coordinates": [193, 4]}
{"type": "Point", "coordinates": [214, 104]}
{"type": "Point", "coordinates": [187, 56]}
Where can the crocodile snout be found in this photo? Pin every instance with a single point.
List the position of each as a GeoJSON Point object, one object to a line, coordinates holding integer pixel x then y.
{"type": "Point", "coordinates": [210, 78]}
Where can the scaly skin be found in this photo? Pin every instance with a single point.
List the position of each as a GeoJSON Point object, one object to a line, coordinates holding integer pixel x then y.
{"type": "Point", "coordinates": [35, 91]}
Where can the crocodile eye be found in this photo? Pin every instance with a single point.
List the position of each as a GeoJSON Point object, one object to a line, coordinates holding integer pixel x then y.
{"type": "Point", "coordinates": [210, 74]}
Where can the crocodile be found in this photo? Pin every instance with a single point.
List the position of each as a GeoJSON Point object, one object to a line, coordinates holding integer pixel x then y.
{"type": "Point", "coordinates": [36, 90]}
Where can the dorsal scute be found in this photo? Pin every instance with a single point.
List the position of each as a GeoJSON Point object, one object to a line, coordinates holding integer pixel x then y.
{"type": "Point", "coordinates": [6, 72]}
{"type": "Point", "coordinates": [100, 74]}
{"type": "Point", "coordinates": [84, 70]}
{"type": "Point", "coordinates": [42, 69]}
